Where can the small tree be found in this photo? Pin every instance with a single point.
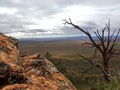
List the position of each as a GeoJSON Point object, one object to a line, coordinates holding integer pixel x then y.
{"type": "Point", "coordinates": [48, 55]}
{"type": "Point", "coordinates": [105, 45]}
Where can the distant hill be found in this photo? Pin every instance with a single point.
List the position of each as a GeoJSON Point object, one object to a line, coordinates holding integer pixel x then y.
{"type": "Point", "coordinates": [56, 38]}
{"type": "Point", "coordinates": [64, 38]}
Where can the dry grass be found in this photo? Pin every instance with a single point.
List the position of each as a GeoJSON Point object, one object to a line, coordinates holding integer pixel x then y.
{"type": "Point", "coordinates": [57, 49]}
{"type": "Point", "coordinates": [64, 56]}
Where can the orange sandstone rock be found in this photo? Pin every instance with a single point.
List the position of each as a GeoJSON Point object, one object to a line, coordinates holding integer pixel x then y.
{"type": "Point", "coordinates": [28, 72]}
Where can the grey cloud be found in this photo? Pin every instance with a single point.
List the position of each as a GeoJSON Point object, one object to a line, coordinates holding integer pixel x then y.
{"type": "Point", "coordinates": [90, 26]}
{"type": "Point", "coordinates": [33, 31]}
{"type": "Point", "coordinates": [87, 25]}
{"type": "Point", "coordinates": [56, 5]}
{"type": "Point", "coordinates": [50, 7]}
{"type": "Point", "coordinates": [10, 23]}
{"type": "Point", "coordinates": [38, 9]}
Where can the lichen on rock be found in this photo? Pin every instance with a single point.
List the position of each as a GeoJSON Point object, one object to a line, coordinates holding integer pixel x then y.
{"type": "Point", "coordinates": [27, 72]}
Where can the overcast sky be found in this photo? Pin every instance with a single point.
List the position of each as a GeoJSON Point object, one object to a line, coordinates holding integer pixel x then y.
{"type": "Point", "coordinates": [36, 18]}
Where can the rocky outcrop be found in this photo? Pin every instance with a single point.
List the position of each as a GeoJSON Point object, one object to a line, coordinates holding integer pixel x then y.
{"type": "Point", "coordinates": [27, 72]}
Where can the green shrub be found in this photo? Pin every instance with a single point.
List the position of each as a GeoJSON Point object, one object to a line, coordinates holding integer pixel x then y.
{"type": "Point", "coordinates": [48, 55]}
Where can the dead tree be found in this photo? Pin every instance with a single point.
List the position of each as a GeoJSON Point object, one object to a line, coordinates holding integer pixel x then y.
{"type": "Point", "coordinates": [105, 45]}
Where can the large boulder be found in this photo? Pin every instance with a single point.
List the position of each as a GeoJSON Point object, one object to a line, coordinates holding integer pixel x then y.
{"type": "Point", "coordinates": [27, 72]}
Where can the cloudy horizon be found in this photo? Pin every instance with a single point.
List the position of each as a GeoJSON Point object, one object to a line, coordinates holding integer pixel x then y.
{"type": "Point", "coordinates": [29, 18]}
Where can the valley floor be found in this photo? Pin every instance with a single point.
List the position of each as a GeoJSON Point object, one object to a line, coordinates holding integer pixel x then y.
{"type": "Point", "coordinates": [65, 56]}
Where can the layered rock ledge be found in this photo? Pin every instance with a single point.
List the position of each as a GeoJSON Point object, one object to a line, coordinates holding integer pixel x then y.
{"type": "Point", "coordinates": [27, 72]}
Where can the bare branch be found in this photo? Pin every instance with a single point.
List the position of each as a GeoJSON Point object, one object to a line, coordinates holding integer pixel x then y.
{"type": "Point", "coordinates": [86, 33]}
{"type": "Point", "coordinates": [94, 64]}
{"type": "Point", "coordinates": [97, 36]}
{"type": "Point", "coordinates": [88, 43]}
{"type": "Point", "coordinates": [113, 44]}
{"type": "Point", "coordinates": [103, 31]}
{"type": "Point", "coordinates": [105, 46]}
{"type": "Point", "coordinates": [87, 70]}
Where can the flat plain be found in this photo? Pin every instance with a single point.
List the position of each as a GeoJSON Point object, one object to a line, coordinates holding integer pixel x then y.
{"type": "Point", "coordinates": [65, 56]}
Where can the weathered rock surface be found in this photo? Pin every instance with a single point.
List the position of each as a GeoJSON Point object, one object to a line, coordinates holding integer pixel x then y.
{"type": "Point", "coordinates": [28, 72]}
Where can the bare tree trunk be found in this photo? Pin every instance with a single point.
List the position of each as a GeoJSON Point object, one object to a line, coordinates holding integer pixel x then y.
{"type": "Point", "coordinates": [105, 46]}
{"type": "Point", "coordinates": [106, 69]}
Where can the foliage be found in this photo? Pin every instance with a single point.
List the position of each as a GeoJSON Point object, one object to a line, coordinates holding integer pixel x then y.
{"type": "Point", "coordinates": [113, 85]}
{"type": "Point", "coordinates": [48, 55]}
{"type": "Point", "coordinates": [72, 69]}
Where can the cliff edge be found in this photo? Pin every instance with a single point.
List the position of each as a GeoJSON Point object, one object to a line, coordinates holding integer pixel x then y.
{"type": "Point", "coordinates": [27, 72]}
